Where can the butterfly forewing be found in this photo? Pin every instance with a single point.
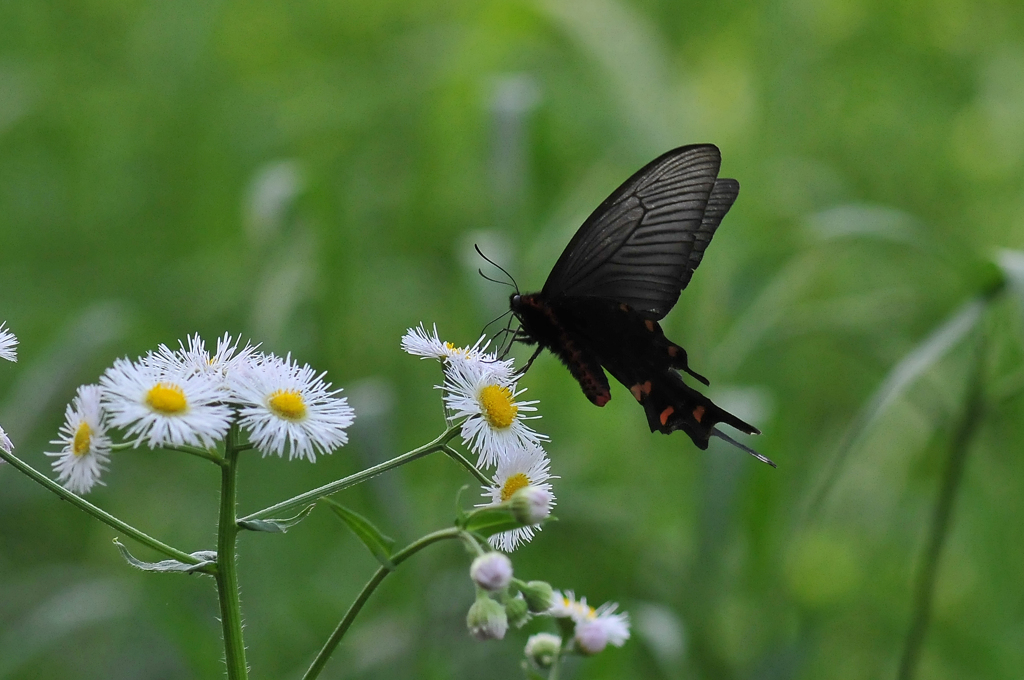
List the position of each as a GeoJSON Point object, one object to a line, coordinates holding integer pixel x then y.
{"type": "Point", "coordinates": [639, 246]}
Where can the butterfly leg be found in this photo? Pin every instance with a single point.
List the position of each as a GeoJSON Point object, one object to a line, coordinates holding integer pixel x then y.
{"type": "Point", "coordinates": [522, 371]}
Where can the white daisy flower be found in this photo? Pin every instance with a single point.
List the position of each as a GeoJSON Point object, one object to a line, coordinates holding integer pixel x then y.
{"type": "Point", "coordinates": [5, 443]}
{"type": "Point", "coordinates": [601, 627]}
{"type": "Point", "coordinates": [287, 406]}
{"type": "Point", "coordinates": [521, 468]}
{"type": "Point", "coordinates": [566, 606]}
{"type": "Point", "coordinates": [163, 406]}
{"type": "Point", "coordinates": [419, 343]}
{"type": "Point", "coordinates": [485, 395]}
{"type": "Point", "coordinates": [85, 445]}
{"type": "Point", "coordinates": [8, 344]}
{"type": "Point", "coordinates": [595, 628]}
{"type": "Point", "coordinates": [195, 359]}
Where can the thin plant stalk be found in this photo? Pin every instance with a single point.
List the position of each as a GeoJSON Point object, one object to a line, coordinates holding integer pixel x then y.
{"type": "Point", "coordinates": [556, 666]}
{"type": "Point", "coordinates": [959, 447]}
{"type": "Point", "coordinates": [314, 495]}
{"type": "Point", "coordinates": [102, 515]}
{"type": "Point", "coordinates": [332, 642]}
{"type": "Point", "coordinates": [211, 456]}
{"type": "Point", "coordinates": [227, 574]}
{"type": "Point", "coordinates": [464, 462]}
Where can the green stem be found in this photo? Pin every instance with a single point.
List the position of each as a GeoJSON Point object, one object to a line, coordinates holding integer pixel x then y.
{"type": "Point", "coordinates": [332, 642]}
{"type": "Point", "coordinates": [196, 451]}
{"type": "Point", "coordinates": [474, 470]}
{"type": "Point", "coordinates": [96, 512]}
{"type": "Point", "coordinates": [555, 666]}
{"type": "Point", "coordinates": [925, 587]}
{"type": "Point", "coordinates": [227, 575]}
{"type": "Point", "coordinates": [314, 495]}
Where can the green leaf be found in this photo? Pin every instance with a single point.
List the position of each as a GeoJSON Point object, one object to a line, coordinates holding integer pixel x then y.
{"type": "Point", "coordinates": [379, 544]}
{"type": "Point", "coordinates": [206, 557]}
{"type": "Point", "coordinates": [491, 520]}
{"type": "Point", "coordinates": [277, 526]}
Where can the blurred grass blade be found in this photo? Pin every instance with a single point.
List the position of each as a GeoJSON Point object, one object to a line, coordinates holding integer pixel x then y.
{"type": "Point", "coordinates": [919, 360]}
{"type": "Point", "coordinates": [960, 445]}
{"type": "Point", "coordinates": [277, 526]}
{"type": "Point", "coordinates": [47, 379]}
{"type": "Point", "coordinates": [1011, 262]}
{"type": "Point", "coordinates": [773, 304]}
{"type": "Point", "coordinates": [372, 537]}
{"type": "Point", "coordinates": [853, 220]}
{"type": "Point", "coordinates": [631, 51]}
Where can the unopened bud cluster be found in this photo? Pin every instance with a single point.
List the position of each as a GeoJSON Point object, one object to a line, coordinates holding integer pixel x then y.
{"type": "Point", "coordinates": [502, 600]}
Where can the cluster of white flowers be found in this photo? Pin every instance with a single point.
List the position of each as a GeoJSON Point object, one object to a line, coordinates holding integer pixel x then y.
{"type": "Point", "coordinates": [481, 390]}
{"type": "Point", "coordinates": [188, 397]}
{"type": "Point", "coordinates": [593, 629]}
{"type": "Point", "coordinates": [8, 351]}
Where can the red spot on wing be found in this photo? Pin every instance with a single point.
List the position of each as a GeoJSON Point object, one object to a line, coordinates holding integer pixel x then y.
{"type": "Point", "coordinates": [673, 350]}
{"type": "Point", "coordinates": [646, 387]}
{"type": "Point", "coordinates": [602, 399]}
{"type": "Point", "coordinates": [638, 392]}
{"type": "Point", "coordinates": [698, 413]}
{"type": "Point", "coordinates": [665, 414]}
{"type": "Point", "coordinates": [650, 325]}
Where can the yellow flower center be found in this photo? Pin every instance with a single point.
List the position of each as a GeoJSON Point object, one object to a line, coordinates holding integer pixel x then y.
{"type": "Point", "coordinates": [514, 483]}
{"type": "Point", "coordinates": [166, 398]}
{"type": "Point", "coordinates": [83, 435]}
{"type": "Point", "coordinates": [496, 402]}
{"type": "Point", "coordinates": [288, 404]}
{"type": "Point", "coordinates": [579, 608]}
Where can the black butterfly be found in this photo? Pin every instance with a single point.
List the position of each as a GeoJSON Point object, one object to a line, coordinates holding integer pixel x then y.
{"type": "Point", "coordinates": [620, 274]}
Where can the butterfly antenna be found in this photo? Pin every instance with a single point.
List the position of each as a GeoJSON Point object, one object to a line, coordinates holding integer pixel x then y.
{"type": "Point", "coordinates": [503, 270]}
{"type": "Point", "coordinates": [721, 435]}
{"type": "Point", "coordinates": [481, 273]}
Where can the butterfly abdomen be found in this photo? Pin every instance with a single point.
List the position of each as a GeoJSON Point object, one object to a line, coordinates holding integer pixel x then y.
{"type": "Point", "coordinates": [544, 327]}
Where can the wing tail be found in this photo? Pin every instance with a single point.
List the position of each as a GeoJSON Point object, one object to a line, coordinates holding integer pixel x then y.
{"type": "Point", "coordinates": [671, 404]}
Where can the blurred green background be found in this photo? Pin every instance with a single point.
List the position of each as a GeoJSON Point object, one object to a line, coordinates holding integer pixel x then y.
{"type": "Point", "coordinates": [313, 175]}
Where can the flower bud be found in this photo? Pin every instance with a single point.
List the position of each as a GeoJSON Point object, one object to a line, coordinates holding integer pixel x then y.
{"type": "Point", "coordinates": [539, 596]}
{"type": "Point", "coordinates": [486, 619]}
{"type": "Point", "coordinates": [517, 611]}
{"type": "Point", "coordinates": [531, 505]}
{"type": "Point", "coordinates": [542, 649]}
{"type": "Point", "coordinates": [591, 636]}
{"type": "Point", "coordinates": [491, 571]}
